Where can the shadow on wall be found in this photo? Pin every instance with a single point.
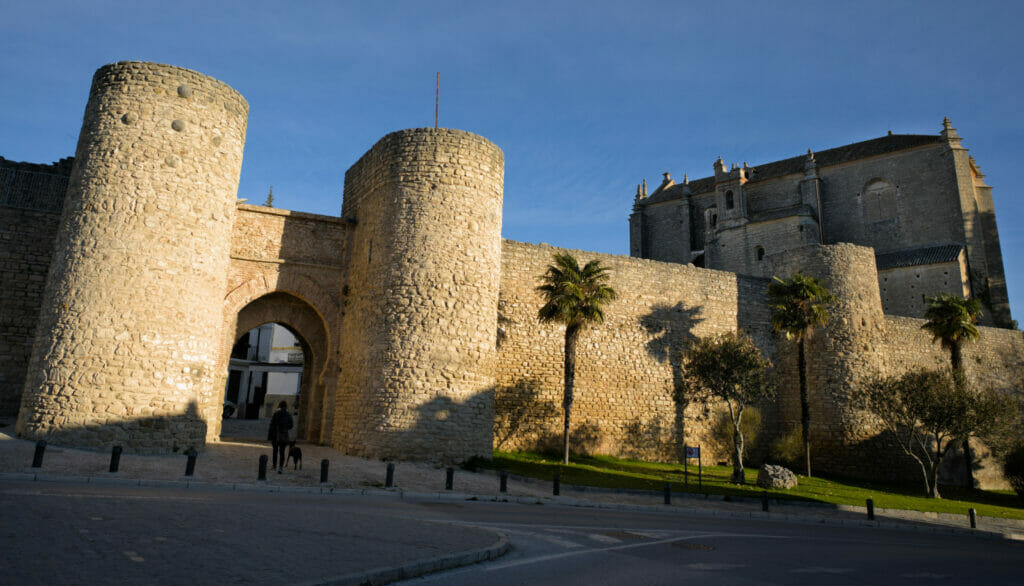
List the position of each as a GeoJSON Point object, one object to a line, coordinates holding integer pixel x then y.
{"type": "Point", "coordinates": [147, 435]}
{"type": "Point", "coordinates": [651, 439]}
{"type": "Point", "coordinates": [525, 420]}
{"type": "Point", "coordinates": [444, 430]}
{"type": "Point", "coordinates": [671, 328]}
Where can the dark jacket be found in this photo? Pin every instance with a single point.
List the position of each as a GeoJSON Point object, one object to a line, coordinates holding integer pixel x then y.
{"type": "Point", "coordinates": [280, 423]}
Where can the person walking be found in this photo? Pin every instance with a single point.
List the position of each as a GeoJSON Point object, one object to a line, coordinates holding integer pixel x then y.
{"type": "Point", "coordinates": [280, 424]}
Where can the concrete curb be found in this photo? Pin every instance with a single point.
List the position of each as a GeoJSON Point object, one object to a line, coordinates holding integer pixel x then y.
{"type": "Point", "coordinates": [422, 567]}
{"type": "Point", "coordinates": [889, 524]}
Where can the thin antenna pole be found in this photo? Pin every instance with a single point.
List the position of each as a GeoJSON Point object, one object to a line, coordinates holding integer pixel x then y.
{"type": "Point", "coordinates": [437, 98]}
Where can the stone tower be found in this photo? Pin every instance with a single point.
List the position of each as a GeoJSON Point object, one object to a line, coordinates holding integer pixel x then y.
{"type": "Point", "coordinates": [840, 355]}
{"type": "Point", "coordinates": [420, 297]}
{"type": "Point", "coordinates": [131, 319]}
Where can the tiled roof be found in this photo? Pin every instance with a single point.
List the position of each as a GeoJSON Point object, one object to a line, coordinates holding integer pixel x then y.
{"type": "Point", "coordinates": [850, 152]}
{"type": "Point", "coordinates": [918, 256]}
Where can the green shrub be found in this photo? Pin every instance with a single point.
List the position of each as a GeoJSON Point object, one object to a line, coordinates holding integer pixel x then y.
{"type": "Point", "coordinates": [1013, 468]}
{"type": "Point", "coordinates": [789, 449]}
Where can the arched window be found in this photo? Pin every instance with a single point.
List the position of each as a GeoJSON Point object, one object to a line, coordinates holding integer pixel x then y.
{"type": "Point", "coordinates": [879, 200]}
{"type": "Point", "coordinates": [759, 253]}
{"type": "Point", "coordinates": [729, 200]}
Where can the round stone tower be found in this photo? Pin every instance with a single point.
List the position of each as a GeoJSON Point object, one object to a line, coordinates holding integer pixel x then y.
{"type": "Point", "coordinates": [839, 356]}
{"type": "Point", "coordinates": [131, 318]}
{"type": "Point", "coordinates": [420, 297]}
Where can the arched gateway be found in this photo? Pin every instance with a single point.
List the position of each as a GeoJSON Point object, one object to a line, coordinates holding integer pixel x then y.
{"type": "Point", "coordinates": [158, 270]}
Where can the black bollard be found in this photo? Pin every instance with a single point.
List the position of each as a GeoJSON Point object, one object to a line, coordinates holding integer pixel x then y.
{"type": "Point", "coordinates": [37, 458]}
{"type": "Point", "coordinates": [556, 486]}
{"type": "Point", "coordinates": [115, 458]}
{"type": "Point", "coordinates": [668, 493]}
{"type": "Point", "coordinates": [974, 518]}
{"type": "Point", "coordinates": [503, 484]}
{"type": "Point", "coordinates": [871, 510]}
{"type": "Point", "coordinates": [262, 474]}
{"type": "Point", "coordinates": [190, 466]}
{"type": "Point", "coordinates": [324, 465]}
{"type": "Point", "coordinates": [449, 479]}
{"type": "Point", "coordinates": [389, 479]}
{"type": "Point", "coordinates": [764, 500]}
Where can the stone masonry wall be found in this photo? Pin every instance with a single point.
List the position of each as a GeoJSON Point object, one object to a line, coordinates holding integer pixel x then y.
{"type": "Point", "coordinates": [421, 295]}
{"type": "Point", "coordinates": [627, 367]}
{"type": "Point", "coordinates": [287, 267]}
{"type": "Point", "coordinates": [839, 356]}
{"type": "Point", "coordinates": [994, 361]}
{"type": "Point", "coordinates": [31, 197]}
{"type": "Point", "coordinates": [26, 246]}
{"type": "Point", "coordinates": [736, 249]}
{"type": "Point", "coordinates": [131, 320]}
{"type": "Point", "coordinates": [904, 289]}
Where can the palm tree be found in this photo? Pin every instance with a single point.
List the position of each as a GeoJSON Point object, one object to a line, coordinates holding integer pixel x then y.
{"type": "Point", "coordinates": [951, 322]}
{"type": "Point", "coordinates": [799, 304]}
{"type": "Point", "coordinates": [573, 297]}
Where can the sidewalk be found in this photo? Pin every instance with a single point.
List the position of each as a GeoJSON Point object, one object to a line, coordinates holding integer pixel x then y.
{"type": "Point", "coordinates": [234, 464]}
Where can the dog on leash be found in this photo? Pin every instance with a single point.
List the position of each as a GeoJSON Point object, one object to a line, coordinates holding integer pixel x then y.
{"type": "Point", "coordinates": [294, 453]}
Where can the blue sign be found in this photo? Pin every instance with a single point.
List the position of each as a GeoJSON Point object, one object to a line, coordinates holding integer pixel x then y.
{"type": "Point", "coordinates": [692, 452]}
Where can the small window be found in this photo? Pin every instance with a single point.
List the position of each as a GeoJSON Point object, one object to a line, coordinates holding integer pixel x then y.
{"type": "Point", "coordinates": [714, 220]}
{"type": "Point", "coordinates": [759, 251]}
{"type": "Point", "coordinates": [728, 200]}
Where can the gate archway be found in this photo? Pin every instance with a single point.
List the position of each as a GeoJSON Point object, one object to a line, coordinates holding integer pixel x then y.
{"type": "Point", "coordinates": [308, 327]}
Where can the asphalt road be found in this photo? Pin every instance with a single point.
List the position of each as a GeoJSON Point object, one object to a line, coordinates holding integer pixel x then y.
{"type": "Point", "coordinates": [54, 533]}
{"type": "Point", "coordinates": [554, 545]}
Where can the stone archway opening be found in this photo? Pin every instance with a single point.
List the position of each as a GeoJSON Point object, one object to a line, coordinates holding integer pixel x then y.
{"type": "Point", "coordinates": [278, 352]}
{"type": "Point", "coordinates": [267, 366]}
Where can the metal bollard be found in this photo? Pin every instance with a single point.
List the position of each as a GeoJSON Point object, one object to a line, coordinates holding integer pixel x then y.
{"type": "Point", "coordinates": [764, 500]}
{"type": "Point", "coordinates": [115, 458]}
{"type": "Point", "coordinates": [974, 518]}
{"type": "Point", "coordinates": [503, 483]}
{"type": "Point", "coordinates": [668, 493]}
{"type": "Point", "coordinates": [556, 487]}
{"type": "Point", "coordinates": [262, 474]}
{"type": "Point", "coordinates": [871, 510]}
{"type": "Point", "coordinates": [389, 479]}
{"type": "Point", "coordinates": [449, 478]}
{"type": "Point", "coordinates": [324, 465]}
{"type": "Point", "coordinates": [37, 457]}
{"type": "Point", "coordinates": [190, 466]}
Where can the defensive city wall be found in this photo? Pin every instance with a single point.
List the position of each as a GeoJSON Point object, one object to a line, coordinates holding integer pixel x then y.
{"type": "Point", "coordinates": [417, 320]}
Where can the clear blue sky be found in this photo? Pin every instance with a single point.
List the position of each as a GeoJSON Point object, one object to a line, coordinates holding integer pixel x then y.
{"type": "Point", "coordinates": [585, 98]}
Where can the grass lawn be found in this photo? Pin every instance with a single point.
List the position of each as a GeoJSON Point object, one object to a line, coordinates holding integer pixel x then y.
{"type": "Point", "coordinates": [608, 472]}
